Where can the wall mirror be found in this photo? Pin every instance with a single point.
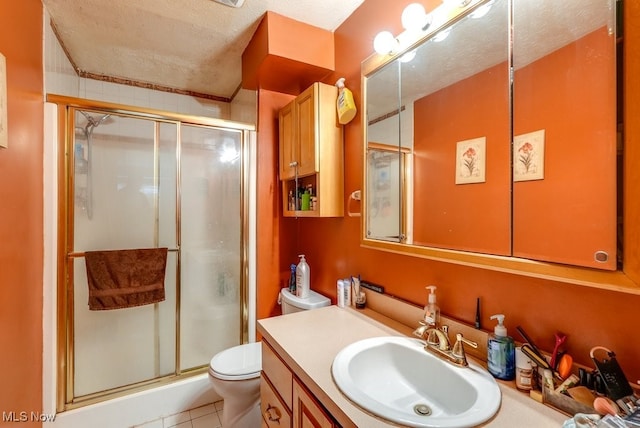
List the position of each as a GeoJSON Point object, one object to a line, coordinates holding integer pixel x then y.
{"type": "Point", "coordinates": [481, 141]}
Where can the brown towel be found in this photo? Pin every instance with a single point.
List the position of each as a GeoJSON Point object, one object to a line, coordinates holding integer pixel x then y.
{"type": "Point", "coordinates": [125, 278]}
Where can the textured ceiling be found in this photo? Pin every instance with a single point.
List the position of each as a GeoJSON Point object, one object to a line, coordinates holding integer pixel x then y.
{"type": "Point", "coordinates": [188, 45]}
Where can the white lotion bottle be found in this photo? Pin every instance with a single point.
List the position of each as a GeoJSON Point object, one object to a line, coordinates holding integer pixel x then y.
{"type": "Point", "coordinates": [347, 291]}
{"type": "Point", "coordinates": [340, 293]}
{"type": "Point", "coordinates": [302, 278]}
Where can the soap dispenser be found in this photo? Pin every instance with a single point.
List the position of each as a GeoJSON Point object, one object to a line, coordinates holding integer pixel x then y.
{"type": "Point", "coordinates": [302, 278]}
{"type": "Point", "coordinates": [501, 351]}
{"type": "Point", "coordinates": [431, 310]}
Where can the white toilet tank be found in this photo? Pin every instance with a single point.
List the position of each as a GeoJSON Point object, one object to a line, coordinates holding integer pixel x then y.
{"type": "Point", "coordinates": [291, 303]}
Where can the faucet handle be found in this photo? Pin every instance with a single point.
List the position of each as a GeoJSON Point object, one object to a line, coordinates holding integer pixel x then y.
{"type": "Point", "coordinates": [432, 337]}
{"type": "Point", "coordinates": [458, 348]}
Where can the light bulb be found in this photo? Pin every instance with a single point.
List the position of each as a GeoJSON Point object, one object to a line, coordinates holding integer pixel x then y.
{"type": "Point", "coordinates": [384, 43]}
{"type": "Point", "coordinates": [408, 56]}
{"type": "Point", "coordinates": [442, 35]}
{"type": "Point", "coordinates": [481, 11]}
{"type": "Point", "coordinates": [414, 17]}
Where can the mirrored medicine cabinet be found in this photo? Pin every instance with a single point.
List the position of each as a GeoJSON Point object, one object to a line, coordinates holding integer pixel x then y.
{"type": "Point", "coordinates": [495, 148]}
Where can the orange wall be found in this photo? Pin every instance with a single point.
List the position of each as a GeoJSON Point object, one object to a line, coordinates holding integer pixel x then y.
{"type": "Point", "coordinates": [268, 193]}
{"type": "Point", "coordinates": [21, 230]}
{"type": "Point", "coordinates": [589, 316]}
{"type": "Point", "coordinates": [275, 61]}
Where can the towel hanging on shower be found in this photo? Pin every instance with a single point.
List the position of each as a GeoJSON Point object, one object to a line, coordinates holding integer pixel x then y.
{"type": "Point", "coordinates": [125, 278]}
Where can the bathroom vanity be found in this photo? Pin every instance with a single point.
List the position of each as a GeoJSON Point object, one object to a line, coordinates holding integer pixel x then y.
{"type": "Point", "coordinates": [298, 390]}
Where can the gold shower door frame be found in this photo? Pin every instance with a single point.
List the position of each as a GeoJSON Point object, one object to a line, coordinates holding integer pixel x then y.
{"type": "Point", "coordinates": [67, 107]}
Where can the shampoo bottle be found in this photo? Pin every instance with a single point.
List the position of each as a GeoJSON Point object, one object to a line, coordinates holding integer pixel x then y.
{"type": "Point", "coordinates": [431, 310]}
{"type": "Point", "coordinates": [501, 352]}
{"type": "Point", "coordinates": [340, 293]}
{"type": "Point", "coordinates": [302, 278]}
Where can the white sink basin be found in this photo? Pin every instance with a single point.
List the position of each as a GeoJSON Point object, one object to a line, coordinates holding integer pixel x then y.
{"type": "Point", "coordinates": [396, 379]}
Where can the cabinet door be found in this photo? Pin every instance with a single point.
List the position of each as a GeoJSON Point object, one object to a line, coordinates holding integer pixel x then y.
{"type": "Point", "coordinates": [288, 151]}
{"type": "Point", "coordinates": [274, 412]}
{"type": "Point", "coordinates": [307, 413]}
{"type": "Point", "coordinates": [307, 125]}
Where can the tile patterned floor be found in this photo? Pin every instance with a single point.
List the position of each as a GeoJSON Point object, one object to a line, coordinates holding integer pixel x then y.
{"type": "Point", "coordinates": [208, 416]}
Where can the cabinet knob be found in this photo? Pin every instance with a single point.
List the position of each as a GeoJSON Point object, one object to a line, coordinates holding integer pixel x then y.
{"type": "Point", "coordinates": [293, 164]}
{"type": "Point", "coordinates": [272, 414]}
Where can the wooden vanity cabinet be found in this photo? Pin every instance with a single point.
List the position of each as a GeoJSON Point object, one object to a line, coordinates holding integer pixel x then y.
{"type": "Point", "coordinates": [311, 152]}
{"type": "Point", "coordinates": [306, 410]}
{"type": "Point", "coordinates": [276, 390]}
{"type": "Point", "coordinates": [284, 400]}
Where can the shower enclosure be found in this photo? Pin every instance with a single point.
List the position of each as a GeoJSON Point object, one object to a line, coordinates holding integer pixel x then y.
{"type": "Point", "coordinates": [134, 178]}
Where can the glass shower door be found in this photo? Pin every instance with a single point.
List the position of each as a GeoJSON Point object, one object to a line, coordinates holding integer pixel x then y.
{"type": "Point", "coordinates": [211, 222]}
{"type": "Point", "coordinates": [137, 179]}
{"type": "Point", "coordinates": [125, 187]}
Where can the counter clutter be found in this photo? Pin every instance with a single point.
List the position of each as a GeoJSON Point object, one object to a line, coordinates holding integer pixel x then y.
{"type": "Point", "coordinates": [307, 343]}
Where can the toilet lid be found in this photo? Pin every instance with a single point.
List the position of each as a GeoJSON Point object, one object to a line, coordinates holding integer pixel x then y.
{"type": "Point", "coordinates": [238, 363]}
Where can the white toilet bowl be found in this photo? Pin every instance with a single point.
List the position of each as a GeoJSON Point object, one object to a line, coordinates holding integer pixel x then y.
{"type": "Point", "coordinates": [235, 372]}
{"type": "Point", "coordinates": [235, 376]}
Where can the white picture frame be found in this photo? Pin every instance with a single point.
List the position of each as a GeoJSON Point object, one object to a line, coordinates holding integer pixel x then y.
{"type": "Point", "coordinates": [528, 156]}
{"type": "Point", "coordinates": [471, 161]}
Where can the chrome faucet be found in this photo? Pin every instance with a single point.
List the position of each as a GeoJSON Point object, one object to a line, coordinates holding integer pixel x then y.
{"type": "Point", "coordinates": [438, 344]}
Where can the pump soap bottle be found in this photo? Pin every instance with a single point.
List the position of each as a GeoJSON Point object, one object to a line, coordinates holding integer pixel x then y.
{"type": "Point", "coordinates": [501, 352]}
{"type": "Point", "coordinates": [302, 278]}
{"type": "Point", "coordinates": [432, 311]}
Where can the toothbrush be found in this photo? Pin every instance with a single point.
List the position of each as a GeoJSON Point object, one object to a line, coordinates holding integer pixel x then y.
{"type": "Point", "coordinates": [560, 339]}
{"type": "Point", "coordinates": [355, 284]}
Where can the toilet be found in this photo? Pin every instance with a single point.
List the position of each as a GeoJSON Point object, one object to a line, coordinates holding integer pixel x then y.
{"type": "Point", "coordinates": [292, 303]}
{"type": "Point", "coordinates": [235, 372]}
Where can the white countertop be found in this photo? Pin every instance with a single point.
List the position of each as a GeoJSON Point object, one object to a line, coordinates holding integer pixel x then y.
{"type": "Point", "coordinates": [309, 341]}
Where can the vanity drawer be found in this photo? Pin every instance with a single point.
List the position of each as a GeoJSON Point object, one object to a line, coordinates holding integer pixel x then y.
{"type": "Point", "coordinates": [278, 374]}
{"type": "Point", "coordinates": [274, 412]}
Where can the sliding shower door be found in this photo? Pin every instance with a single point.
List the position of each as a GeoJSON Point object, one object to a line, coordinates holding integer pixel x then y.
{"type": "Point", "coordinates": [125, 198]}
{"type": "Point", "coordinates": [211, 175]}
{"type": "Point", "coordinates": [136, 180]}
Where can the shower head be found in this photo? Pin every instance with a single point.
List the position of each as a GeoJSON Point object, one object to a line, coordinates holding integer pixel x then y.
{"type": "Point", "coordinates": [92, 121]}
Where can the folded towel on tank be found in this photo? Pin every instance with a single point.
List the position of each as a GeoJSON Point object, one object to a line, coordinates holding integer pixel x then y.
{"type": "Point", "coordinates": [125, 278]}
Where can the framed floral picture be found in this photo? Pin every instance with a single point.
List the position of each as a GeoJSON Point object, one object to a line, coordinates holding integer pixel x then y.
{"type": "Point", "coordinates": [528, 156]}
{"type": "Point", "coordinates": [470, 161]}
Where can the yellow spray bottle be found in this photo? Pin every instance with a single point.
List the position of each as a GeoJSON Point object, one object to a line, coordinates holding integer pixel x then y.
{"type": "Point", "coordinates": [345, 104]}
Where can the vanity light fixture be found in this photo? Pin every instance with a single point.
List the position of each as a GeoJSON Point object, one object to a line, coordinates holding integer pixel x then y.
{"type": "Point", "coordinates": [385, 43]}
{"type": "Point", "coordinates": [415, 18]}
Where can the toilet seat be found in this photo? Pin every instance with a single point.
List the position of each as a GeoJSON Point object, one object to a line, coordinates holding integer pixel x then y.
{"type": "Point", "coordinates": [237, 363]}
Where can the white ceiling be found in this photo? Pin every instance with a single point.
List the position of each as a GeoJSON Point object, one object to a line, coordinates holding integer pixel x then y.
{"type": "Point", "coordinates": [188, 45]}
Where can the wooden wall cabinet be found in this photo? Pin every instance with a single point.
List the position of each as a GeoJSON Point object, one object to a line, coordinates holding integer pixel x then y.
{"type": "Point", "coordinates": [284, 400]}
{"type": "Point", "coordinates": [312, 153]}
